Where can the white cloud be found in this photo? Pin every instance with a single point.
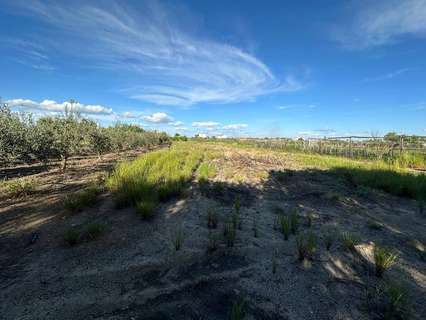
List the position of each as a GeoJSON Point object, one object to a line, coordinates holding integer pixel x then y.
{"type": "Point", "coordinates": [236, 126]}
{"type": "Point", "coordinates": [53, 106]}
{"type": "Point", "coordinates": [296, 106]}
{"type": "Point", "coordinates": [158, 117]}
{"type": "Point", "coordinates": [387, 76]}
{"type": "Point", "coordinates": [205, 124]}
{"type": "Point", "coordinates": [383, 22]}
{"type": "Point", "coordinates": [176, 124]}
{"type": "Point", "coordinates": [151, 43]}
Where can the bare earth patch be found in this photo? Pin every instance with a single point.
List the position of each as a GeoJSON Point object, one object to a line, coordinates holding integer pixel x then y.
{"type": "Point", "coordinates": [134, 272]}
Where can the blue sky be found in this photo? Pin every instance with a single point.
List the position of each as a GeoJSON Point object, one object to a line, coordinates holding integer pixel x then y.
{"type": "Point", "coordinates": [234, 68]}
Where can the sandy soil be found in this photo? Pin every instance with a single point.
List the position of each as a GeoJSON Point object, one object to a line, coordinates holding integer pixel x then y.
{"type": "Point", "coordinates": [134, 272]}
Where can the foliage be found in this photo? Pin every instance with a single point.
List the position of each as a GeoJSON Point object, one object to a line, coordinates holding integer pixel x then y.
{"type": "Point", "coordinates": [24, 140]}
{"type": "Point", "coordinates": [349, 240]}
{"type": "Point", "coordinates": [383, 259]}
{"type": "Point", "coordinates": [306, 245]}
{"type": "Point", "coordinates": [18, 187]}
{"type": "Point", "coordinates": [155, 176]}
{"type": "Point", "coordinates": [76, 201]}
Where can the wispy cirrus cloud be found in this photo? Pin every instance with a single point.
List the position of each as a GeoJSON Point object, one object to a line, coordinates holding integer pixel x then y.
{"type": "Point", "coordinates": [382, 22]}
{"type": "Point", "coordinates": [236, 126]}
{"type": "Point", "coordinates": [172, 66]}
{"type": "Point", "coordinates": [208, 125]}
{"type": "Point", "coordinates": [387, 76]}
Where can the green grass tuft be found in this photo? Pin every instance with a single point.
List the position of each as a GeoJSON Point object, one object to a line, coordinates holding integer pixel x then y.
{"type": "Point", "coordinates": [306, 246]}
{"type": "Point", "coordinates": [384, 258]}
{"type": "Point", "coordinates": [76, 201]}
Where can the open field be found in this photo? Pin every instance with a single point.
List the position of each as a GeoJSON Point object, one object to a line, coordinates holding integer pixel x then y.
{"type": "Point", "coordinates": [215, 231]}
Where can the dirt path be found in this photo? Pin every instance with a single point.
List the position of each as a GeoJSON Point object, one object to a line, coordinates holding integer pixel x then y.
{"type": "Point", "coordinates": [133, 271]}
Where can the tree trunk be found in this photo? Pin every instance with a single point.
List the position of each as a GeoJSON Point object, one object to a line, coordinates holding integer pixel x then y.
{"type": "Point", "coordinates": [64, 163]}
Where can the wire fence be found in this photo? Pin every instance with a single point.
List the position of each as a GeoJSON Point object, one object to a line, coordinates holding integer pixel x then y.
{"type": "Point", "coordinates": [409, 149]}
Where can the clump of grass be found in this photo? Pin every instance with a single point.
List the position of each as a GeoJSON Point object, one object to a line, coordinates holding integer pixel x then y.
{"type": "Point", "coordinates": [212, 219]}
{"type": "Point", "coordinates": [76, 201]}
{"type": "Point", "coordinates": [164, 172]}
{"type": "Point", "coordinates": [389, 301]}
{"type": "Point", "coordinates": [384, 258]}
{"type": "Point", "coordinates": [95, 230]}
{"type": "Point", "coordinates": [236, 215]}
{"type": "Point", "coordinates": [229, 233]}
{"type": "Point", "coordinates": [362, 191]}
{"type": "Point", "coordinates": [177, 238]}
{"type": "Point", "coordinates": [212, 243]}
{"type": "Point", "coordinates": [349, 240]}
{"type": "Point", "coordinates": [374, 225]}
{"type": "Point", "coordinates": [237, 311]}
{"type": "Point", "coordinates": [329, 239]}
{"type": "Point", "coordinates": [274, 262]}
{"type": "Point", "coordinates": [311, 218]}
{"type": "Point", "coordinates": [146, 208]}
{"type": "Point", "coordinates": [255, 232]}
{"type": "Point", "coordinates": [19, 187]}
{"type": "Point", "coordinates": [285, 226]}
{"type": "Point", "coordinates": [294, 221]}
{"type": "Point", "coordinates": [306, 246]}
{"type": "Point", "coordinates": [72, 236]}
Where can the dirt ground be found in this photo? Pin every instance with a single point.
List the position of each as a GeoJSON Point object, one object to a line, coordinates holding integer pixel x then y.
{"type": "Point", "coordinates": [134, 272]}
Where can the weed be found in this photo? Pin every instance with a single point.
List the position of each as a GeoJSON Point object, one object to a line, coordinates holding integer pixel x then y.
{"type": "Point", "coordinates": [362, 191]}
{"type": "Point", "coordinates": [349, 240]}
{"type": "Point", "coordinates": [389, 301]}
{"type": "Point", "coordinates": [76, 201]}
{"type": "Point", "coordinates": [306, 245]}
{"type": "Point", "coordinates": [212, 243]}
{"type": "Point", "coordinates": [384, 259]}
{"type": "Point", "coordinates": [329, 240]}
{"type": "Point", "coordinates": [72, 236]}
{"type": "Point", "coordinates": [237, 311]}
{"type": "Point", "coordinates": [146, 208]}
{"type": "Point", "coordinates": [178, 237]}
{"type": "Point", "coordinates": [311, 218]}
{"type": "Point", "coordinates": [374, 225]}
{"type": "Point", "coordinates": [294, 220]}
{"type": "Point", "coordinates": [229, 233]}
{"type": "Point", "coordinates": [274, 262]}
{"type": "Point", "coordinates": [212, 219]}
{"type": "Point", "coordinates": [19, 187]}
{"type": "Point", "coordinates": [95, 230]}
{"type": "Point", "coordinates": [285, 226]}
{"type": "Point", "coordinates": [255, 232]}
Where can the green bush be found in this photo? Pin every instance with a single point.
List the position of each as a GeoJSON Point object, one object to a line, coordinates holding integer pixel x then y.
{"type": "Point", "coordinates": [72, 236]}
{"type": "Point", "coordinates": [306, 245]}
{"type": "Point", "coordinates": [18, 187]}
{"type": "Point", "coordinates": [76, 201]}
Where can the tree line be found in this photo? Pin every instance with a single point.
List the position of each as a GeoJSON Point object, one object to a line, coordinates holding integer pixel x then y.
{"type": "Point", "coordinates": [24, 139]}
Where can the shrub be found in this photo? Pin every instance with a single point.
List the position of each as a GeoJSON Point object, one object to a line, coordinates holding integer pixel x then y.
{"type": "Point", "coordinates": [146, 208]}
{"type": "Point", "coordinates": [212, 219]}
{"type": "Point", "coordinates": [306, 245]}
{"type": "Point", "coordinates": [383, 259]}
{"type": "Point", "coordinates": [19, 187]}
{"type": "Point", "coordinates": [72, 236]}
{"type": "Point", "coordinates": [76, 201]}
{"type": "Point", "coordinates": [389, 301]}
{"type": "Point", "coordinates": [95, 230]}
{"type": "Point", "coordinates": [349, 240]}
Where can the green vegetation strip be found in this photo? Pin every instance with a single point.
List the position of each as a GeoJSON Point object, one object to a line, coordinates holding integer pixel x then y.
{"type": "Point", "coordinates": [154, 177]}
